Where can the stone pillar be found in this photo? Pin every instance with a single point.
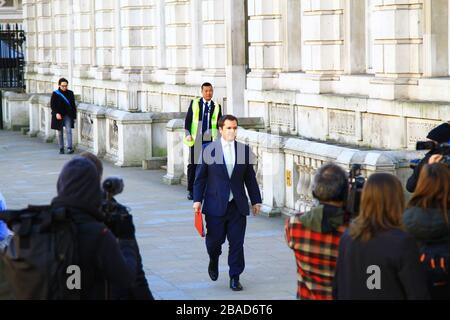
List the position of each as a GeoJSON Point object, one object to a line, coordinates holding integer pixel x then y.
{"type": "Point", "coordinates": [323, 38]}
{"type": "Point", "coordinates": [104, 38]}
{"type": "Point", "coordinates": [435, 38]}
{"type": "Point", "coordinates": [213, 42]}
{"type": "Point", "coordinates": [265, 37]}
{"type": "Point", "coordinates": [91, 128]}
{"type": "Point", "coordinates": [83, 28]}
{"type": "Point", "coordinates": [273, 169]}
{"type": "Point", "coordinates": [370, 25]}
{"type": "Point", "coordinates": [175, 159]}
{"type": "Point", "coordinates": [161, 58]}
{"type": "Point", "coordinates": [31, 52]}
{"type": "Point", "coordinates": [60, 32]}
{"type": "Point", "coordinates": [33, 111]}
{"type": "Point", "coordinates": [45, 42]}
{"type": "Point", "coordinates": [354, 37]}
{"type": "Point", "coordinates": [291, 11]}
{"type": "Point", "coordinates": [235, 20]}
{"type": "Point", "coordinates": [120, 32]}
{"type": "Point", "coordinates": [178, 40]}
{"type": "Point", "coordinates": [137, 38]}
{"type": "Point", "coordinates": [398, 61]}
{"type": "Point", "coordinates": [196, 34]}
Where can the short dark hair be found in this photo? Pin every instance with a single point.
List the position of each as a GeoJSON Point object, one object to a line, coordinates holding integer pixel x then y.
{"type": "Point", "coordinates": [62, 80]}
{"type": "Point", "coordinates": [226, 117]}
{"type": "Point", "coordinates": [206, 84]}
{"type": "Point", "coordinates": [330, 183]}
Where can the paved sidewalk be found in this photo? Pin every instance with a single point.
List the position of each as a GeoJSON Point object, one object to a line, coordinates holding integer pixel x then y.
{"type": "Point", "coordinates": [174, 256]}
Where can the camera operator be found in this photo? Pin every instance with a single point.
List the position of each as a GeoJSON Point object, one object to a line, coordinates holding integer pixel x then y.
{"type": "Point", "coordinates": [103, 260]}
{"type": "Point", "coordinates": [438, 135]}
{"type": "Point", "coordinates": [319, 230]}
{"type": "Point", "coordinates": [113, 215]}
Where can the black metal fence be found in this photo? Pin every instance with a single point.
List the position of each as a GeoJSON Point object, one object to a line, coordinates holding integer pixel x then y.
{"type": "Point", "coordinates": [12, 59]}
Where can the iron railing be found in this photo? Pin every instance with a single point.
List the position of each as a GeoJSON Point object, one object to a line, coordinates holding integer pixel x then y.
{"type": "Point", "coordinates": [12, 59]}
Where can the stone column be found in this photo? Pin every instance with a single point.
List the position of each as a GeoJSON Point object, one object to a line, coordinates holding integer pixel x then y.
{"type": "Point", "coordinates": [45, 41]}
{"type": "Point", "coordinates": [61, 25]}
{"type": "Point", "coordinates": [265, 37]}
{"type": "Point", "coordinates": [235, 20]}
{"type": "Point", "coordinates": [323, 38]}
{"type": "Point", "coordinates": [137, 37]}
{"type": "Point", "coordinates": [83, 28]}
{"type": "Point", "coordinates": [398, 61]}
{"type": "Point", "coordinates": [354, 37]}
{"type": "Point", "coordinates": [435, 38]}
{"type": "Point", "coordinates": [31, 52]}
{"type": "Point", "coordinates": [104, 38]}
{"type": "Point", "coordinates": [178, 40]}
{"type": "Point", "coordinates": [196, 34]}
{"type": "Point", "coordinates": [213, 43]}
{"type": "Point", "coordinates": [291, 11]}
{"type": "Point", "coordinates": [161, 59]}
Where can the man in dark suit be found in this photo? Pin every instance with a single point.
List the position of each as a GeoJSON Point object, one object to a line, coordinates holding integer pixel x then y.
{"type": "Point", "coordinates": [64, 113]}
{"type": "Point", "coordinates": [219, 183]}
{"type": "Point", "coordinates": [201, 128]}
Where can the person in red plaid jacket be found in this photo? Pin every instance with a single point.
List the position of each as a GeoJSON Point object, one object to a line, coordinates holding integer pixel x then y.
{"type": "Point", "coordinates": [314, 235]}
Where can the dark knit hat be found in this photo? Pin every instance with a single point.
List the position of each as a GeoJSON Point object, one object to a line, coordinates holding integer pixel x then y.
{"type": "Point", "coordinates": [440, 134]}
{"type": "Point", "coordinates": [78, 186]}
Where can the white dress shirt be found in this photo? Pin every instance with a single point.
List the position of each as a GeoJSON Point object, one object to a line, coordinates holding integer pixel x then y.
{"type": "Point", "coordinates": [229, 154]}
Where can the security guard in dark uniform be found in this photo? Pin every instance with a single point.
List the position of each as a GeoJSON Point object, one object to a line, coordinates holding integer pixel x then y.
{"type": "Point", "coordinates": [201, 127]}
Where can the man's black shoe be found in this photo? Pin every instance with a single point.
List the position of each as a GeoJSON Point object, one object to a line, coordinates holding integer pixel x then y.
{"type": "Point", "coordinates": [70, 151]}
{"type": "Point", "coordinates": [213, 270]}
{"type": "Point", "coordinates": [61, 151]}
{"type": "Point", "coordinates": [190, 196]}
{"type": "Point", "coordinates": [235, 285]}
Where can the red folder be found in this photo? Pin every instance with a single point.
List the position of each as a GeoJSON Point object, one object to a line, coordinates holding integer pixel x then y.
{"type": "Point", "coordinates": [199, 223]}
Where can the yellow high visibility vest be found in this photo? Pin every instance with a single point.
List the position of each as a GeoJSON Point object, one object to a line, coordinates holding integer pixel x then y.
{"type": "Point", "coordinates": [196, 118]}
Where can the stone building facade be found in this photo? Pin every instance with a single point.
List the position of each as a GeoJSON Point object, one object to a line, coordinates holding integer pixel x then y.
{"type": "Point", "coordinates": [10, 12]}
{"type": "Point", "coordinates": [366, 73]}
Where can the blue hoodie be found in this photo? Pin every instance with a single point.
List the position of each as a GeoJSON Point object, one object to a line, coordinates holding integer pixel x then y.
{"type": "Point", "coordinates": [4, 231]}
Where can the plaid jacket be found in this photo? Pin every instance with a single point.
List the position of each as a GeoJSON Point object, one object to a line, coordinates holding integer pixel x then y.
{"type": "Point", "coordinates": [315, 237]}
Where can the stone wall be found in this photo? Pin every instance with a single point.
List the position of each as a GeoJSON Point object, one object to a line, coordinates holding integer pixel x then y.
{"type": "Point", "coordinates": [371, 73]}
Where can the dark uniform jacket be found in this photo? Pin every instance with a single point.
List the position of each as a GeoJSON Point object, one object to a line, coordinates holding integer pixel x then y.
{"type": "Point", "coordinates": [59, 105]}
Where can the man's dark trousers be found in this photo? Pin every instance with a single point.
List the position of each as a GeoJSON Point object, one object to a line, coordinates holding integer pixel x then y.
{"type": "Point", "coordinates": [191, 169]}
{"type": "Point", "coordinates": [231, 226]}
{"type": "Point", "coordinates": [194, 158]}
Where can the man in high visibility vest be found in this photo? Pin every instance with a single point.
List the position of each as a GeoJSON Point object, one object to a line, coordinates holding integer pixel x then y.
{"type": "Point", "coordinates": [201, 127]}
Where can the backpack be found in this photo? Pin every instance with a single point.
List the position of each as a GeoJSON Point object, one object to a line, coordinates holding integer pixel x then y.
{"type": "Point", "coordinates": [435, 257]}
{"type": "Point", "coordinates": [42, 248]}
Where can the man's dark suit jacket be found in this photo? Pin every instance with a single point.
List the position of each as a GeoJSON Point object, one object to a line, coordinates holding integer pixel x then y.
{"type": "Point", "coordinates": [212, 184]}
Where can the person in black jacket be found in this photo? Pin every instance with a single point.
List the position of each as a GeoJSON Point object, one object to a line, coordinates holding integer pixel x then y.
{"type": "Point", "coordinates": [105, 262]}
{"type": "Point", "coordinates": [140, 290]}
{"type": "Point", "coordinates": [376, 259]}
{"type": "Point", "coordinates": [64, 114]}
{"type": "Point", "coordinates": [438, 135]}
{"type": "Point", "coordinates": [428, 220]}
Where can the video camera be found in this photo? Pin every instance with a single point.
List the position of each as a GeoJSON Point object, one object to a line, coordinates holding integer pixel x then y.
{"type": "Point", "coordinates": [442, 149]}
{"type": "Point", "coordinates": [356, 183]}
{"type": "Point", "coordinates": [114, 213]}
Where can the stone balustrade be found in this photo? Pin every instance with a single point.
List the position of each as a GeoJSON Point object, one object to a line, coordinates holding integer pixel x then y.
{"type": "Point", "coordinates": [285, 166]}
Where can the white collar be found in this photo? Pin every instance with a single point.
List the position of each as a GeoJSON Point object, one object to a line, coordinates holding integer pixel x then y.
{"type": "Point", "coordinates": [225, 142]}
